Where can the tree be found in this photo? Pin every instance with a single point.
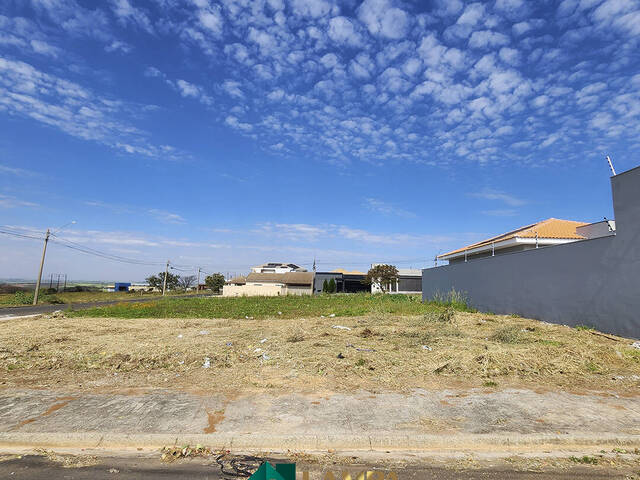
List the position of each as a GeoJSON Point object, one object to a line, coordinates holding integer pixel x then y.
{"type": "Point", "coordinates": [215, 282]}
{"type": "Point", "coordinates": [381, 276]}
{"type": "Point", "coordinates": [186, 282]}
{"type": "Point", "coordinates": [156, 281]}
{"type": "Point", "coordinates": [325, 286]}
{"type": "Point", "coordinates": [332, 286]}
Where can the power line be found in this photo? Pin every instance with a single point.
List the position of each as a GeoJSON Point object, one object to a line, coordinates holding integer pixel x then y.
{"type": "Point", "coordinates": [22, 235]}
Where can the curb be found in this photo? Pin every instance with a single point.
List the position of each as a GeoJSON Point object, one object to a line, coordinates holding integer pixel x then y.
{"type": "Point", "coordinates": [380, 441]}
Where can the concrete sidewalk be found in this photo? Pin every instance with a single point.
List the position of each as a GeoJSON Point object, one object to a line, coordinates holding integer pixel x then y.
{"type": "Point", "coordinates": [422, 420]}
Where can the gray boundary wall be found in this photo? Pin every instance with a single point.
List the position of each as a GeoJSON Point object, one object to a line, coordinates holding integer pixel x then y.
{"type": "Point", "coordinates": [591, 282]}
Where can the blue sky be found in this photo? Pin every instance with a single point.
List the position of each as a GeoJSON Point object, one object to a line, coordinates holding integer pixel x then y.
{"type": "Point", "coordinates": [225, 134]}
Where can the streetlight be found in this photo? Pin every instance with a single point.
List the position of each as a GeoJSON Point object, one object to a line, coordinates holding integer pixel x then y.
{"type": "Point", "coordinates": [44, 251]}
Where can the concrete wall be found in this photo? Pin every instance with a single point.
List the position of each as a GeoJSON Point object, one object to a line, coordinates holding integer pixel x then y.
{"type": "Point", "coordinates": [592, 282]}
{"type": "Point", "coordinates": [264, 290]}
{"type": "Point", "coordinates": [298, 290]}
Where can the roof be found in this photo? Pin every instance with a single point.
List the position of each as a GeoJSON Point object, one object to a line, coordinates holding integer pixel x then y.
{"type": "Point", "coordinates": [289, 278]}
{"type": "Point", "coordinates": [241, 279]}
{"type": "Point", "coordinates": [345, 272]}
{"type": "Point", "coordinates": [279, 265]}
{"type": "Point", "coordinates": [552, 228]}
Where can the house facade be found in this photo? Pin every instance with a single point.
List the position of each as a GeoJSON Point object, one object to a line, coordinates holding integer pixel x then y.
{"type": "Point", "coordinates": [270, 284]}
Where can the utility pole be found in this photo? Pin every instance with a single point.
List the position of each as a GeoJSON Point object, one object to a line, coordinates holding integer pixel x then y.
{"type": "Point", "coordinates": [44, 251]}
{"type": "Point", "coordinates": [58, 285]}
{"type": "Point", "coordinates": [198, 284]}
{"type": "Point", "coordinates": [164, 284]}
{"type": "Point", "coordinates": [65, 283]}
{"type": "Point", "coordinates": [50, 280]}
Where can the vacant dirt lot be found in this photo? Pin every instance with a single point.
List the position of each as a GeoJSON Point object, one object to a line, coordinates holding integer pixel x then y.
{"type": "Point", "coordinates": [378, 352]}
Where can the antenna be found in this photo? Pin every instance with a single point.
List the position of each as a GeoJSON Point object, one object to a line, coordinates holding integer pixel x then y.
{"type": "Point", "coordinates": [611, 165]}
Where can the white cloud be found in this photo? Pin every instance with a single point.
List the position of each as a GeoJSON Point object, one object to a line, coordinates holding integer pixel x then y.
{"type": "Point", "coordinates": [167, 217]}
{"type": "Point", "coordinates": [71, 108]}
{"type": "Point", "coordinates": [127, 13]}
{"type": "Point", "coordinates": [4, 169]}
{"type": "Point", "coordinates": [384, 208]}
{"type": "Point", "coordinates": [233, 88]}
{"type": "Point", "coordinates": [233, 122]}
{"type": "Point", "coordinates": [497, 195]}
{"type": "Point", "coordinates": [342, 31]}
{"type": "Point", "coordinates": [311, 8]}
{"type": "Point", "coordinates": [382, 18]}
{"type": "Point", "coordinates": [12, 202]}
{"type": "Point", "coordinates": [44, 48]}
{"type": "Point", "coordinates": [487, 38]}
{"type": "Point", "coordinates": [473, 13]}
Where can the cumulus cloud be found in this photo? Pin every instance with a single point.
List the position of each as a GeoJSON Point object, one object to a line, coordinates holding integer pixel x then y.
{"type": "Point", "coordinates": [382, 18]}
{"type": "Point", "coordinates": [487, 38]}
{"type": "Point", "coordinates": [342, 31]}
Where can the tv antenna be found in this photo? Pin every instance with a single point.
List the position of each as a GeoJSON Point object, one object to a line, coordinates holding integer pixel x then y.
{"type": "Point", "coordinates": [611, 165]}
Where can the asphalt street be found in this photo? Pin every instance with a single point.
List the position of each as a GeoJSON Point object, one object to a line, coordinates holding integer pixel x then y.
{"type": "Point", "coordinates": [39, 467]}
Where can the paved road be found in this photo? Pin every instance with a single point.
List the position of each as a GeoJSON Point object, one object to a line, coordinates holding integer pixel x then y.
{"type": "Point", "coordinates": [48, 308]}
{"type": "Point", "coordinates": [35, 467]}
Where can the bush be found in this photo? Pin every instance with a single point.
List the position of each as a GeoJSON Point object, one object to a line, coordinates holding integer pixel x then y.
{"type": "Point", "coordinates": [332, 286]}
{"type": "Point", "coordinates": [23, 298]}
{"type": "Point", "coordinates": [325, 286]}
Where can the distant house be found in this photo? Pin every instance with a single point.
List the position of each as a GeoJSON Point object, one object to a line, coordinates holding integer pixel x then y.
{"type": "Point", "coordinates": [346, 281]}
{"type": "Point", "coordinates": [409, 281]}
{"type": "Point", "coordinates": [276, 267]}
{"type": "Point", "coordinates": [270, 284]}
{"type": "Point", "coordinates": [552, 231]}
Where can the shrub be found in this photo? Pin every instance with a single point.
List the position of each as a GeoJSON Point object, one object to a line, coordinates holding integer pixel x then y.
{"type": "Point", "coordinates": [23, 298]}
{"type": "Point", "coordinates": [325, 286]}
{"type": "Point", "coordinates": [332, 286]}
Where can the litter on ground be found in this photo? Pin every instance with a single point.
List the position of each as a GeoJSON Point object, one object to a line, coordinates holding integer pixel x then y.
{"type": "Point", "coordinates": [341, 327]}
{"type": "Point", "coordinates": [203, 332]}
{"type": "Point", "coordinates": [207, 363]}
{"type": "Point", "coordinates": [427, 347]}
{"type": "Point", "coordinates": [636, 345]}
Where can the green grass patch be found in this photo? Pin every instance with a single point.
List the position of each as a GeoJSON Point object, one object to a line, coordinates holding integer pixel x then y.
{"type": "Point", "coordinates": [585, 328]}
{"type": "Point", "coordinates": [265, 307]}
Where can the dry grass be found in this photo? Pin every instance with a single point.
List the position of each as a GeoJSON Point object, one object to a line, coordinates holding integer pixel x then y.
{"type": "Point", "coordinates": [381, 352]}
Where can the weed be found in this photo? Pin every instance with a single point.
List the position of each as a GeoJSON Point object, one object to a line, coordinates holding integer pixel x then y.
{"type": "Point", "coordinates": [444, 316]}
{"type": "Point", "coordinates": [508, 334]}
{"type": "Point", "coordinates": [586, 460]}
{"type": "Point", "coordinates": [585, 328]}
{"type": "Point", "coordinates": [592, 367]}
{"type": "Point", "coordinates": [296, 337]}
{"type": "Point", "coordinates": [490, 383]}
{"type": "Point", "coordinates": [366, 333]}
{"type": "Point", "coordinates": [361, 362]}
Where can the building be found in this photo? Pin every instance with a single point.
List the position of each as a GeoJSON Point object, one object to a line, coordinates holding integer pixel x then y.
{"type": "Point", "coordinates": [270, 284]}
{"type": "Point", "coordinates": [275, 267]}
{"type": "Point", "coordinates": [592, 280]}
{"type": "Point", "coordinates": [346, 281]}
{"type": "Point", "coordinates": [549, 232]}
{"type": "Point", "coordinates": [409, 280]}
{"type": "Point", "coordinates": [121, 286]}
